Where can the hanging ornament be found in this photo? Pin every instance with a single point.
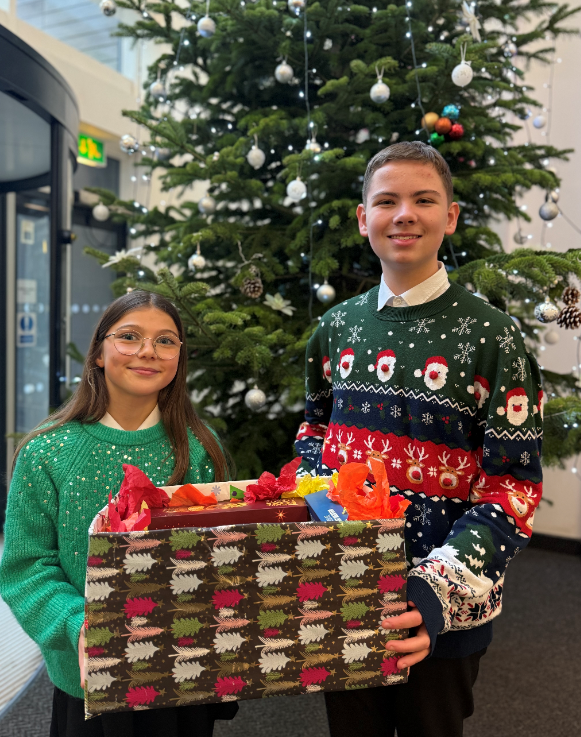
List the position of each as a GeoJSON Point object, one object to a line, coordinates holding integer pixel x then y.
{"type": "Point", "coordinates": [520, 238]}
{"type": "Point", "coordinates": [553, 195]}
{"type": "Point", "coordinates": [196, 260]}
{"type": "Point", "coordinates": [551, 337]}
{"type": "Point", "coordinates": [108, 7]}
{"type": "Point", "coordinates": [216, 156]}
{"type": "Point", "coordinates": [569, 317]}
{"type": "Point", "coordinates": [313, 145]}
{"type": "Point", "coordinates": [255, 399]}
{"type": "Point", "coordinates": [157, 90]}
{"type": "Point", "coordinates": [256, 156]}
{"type": "Point", "coordinates": [443, 126]}
{"type": "Point", "coordinates": [295, 6]}
{"type": "Point", "coordinates": [456, 131]}
{"type": "Point", "coordinates": [129, 144]}
{"type": "Point", "coordinates": [380, 92]}
{"type": "Point", "coordinates": [362, 135]}
{"type": "Point", "coordinates": [284, 72]}
{"type": "Point", "coordinates": [328, 44]}
{"type": "Point", "coordinates": [516, 321]}
{"type": "Point", "coordinates": [296, 189]}
{"type": "Point", "coordinates": [252, 285]}
{"type": "Point", "coordinates": [540, 121]}
{"type": "Point", "coordinates": [510, 49]}
{"type": "Point", "coordinates": [570, 295]}
{"type": "Point", "coordinates": [207, 205]}
{"type": "Point", "coordinates": [429, 120]}
{"type": "Point", "coordinates": [549, 210]}
{"type": "Point", "coordinates": [546, 311]}
{"type": "Point", "coordinates": [326, 293]}
{"type": "Point", "coordinates": [436, 139]}
{"type": "Point", "coordinates": [462, 74]}
{"type": "Point", "coordinates": [451, 111]}
{"type": "Point", "coordinates": [101, 212]}
{"type": "Point", "coordinates": [481, 296]}
{"type": "Point", "coordinates": [206, 27]}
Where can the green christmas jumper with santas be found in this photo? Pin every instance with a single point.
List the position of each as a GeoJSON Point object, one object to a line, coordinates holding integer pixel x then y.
{"type": "Point", "coordinates": [446, 394]}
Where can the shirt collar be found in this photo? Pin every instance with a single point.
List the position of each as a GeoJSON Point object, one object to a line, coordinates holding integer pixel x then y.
{"type": "Point", "coordinates": [151, 420]}
{"type": "Point", "coordinates": [418, 295]}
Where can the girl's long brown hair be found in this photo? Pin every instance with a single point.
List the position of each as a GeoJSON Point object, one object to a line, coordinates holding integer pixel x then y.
{"type": "Point", "coordinates": [90, 401]}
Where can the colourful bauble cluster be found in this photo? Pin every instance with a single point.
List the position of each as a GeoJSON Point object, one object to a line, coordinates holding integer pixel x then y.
{"type": "Point", "coordinates": [443, 127]}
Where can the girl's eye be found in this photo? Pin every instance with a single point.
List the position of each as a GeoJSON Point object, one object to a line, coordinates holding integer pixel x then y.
{"type": "Point", "coordinates": [128, 336]}
{"type": "Point", "coordinates": [166, 340]}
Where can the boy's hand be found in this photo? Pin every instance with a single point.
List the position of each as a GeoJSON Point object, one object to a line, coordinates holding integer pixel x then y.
{"type": "Point", "coordinates": [82, 655]}
{"type": "Point", "coordinates": [418, 646]}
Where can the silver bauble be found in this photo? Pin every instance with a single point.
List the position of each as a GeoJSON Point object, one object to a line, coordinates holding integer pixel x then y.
{"type": "Point", "coordinates": [553, 195]}
{"type": "Point", "coordinates": [206, 27]}
{"type": "Point", "coordinates": [108, 7]}
{"type": "Point", "coordinates": [129, 144]}
{"type": "Point", "coordinates": [101, 212]}
{"type": "Point", "coordinates": [546, 311]}
{"type": "Point", "coordinates": [549, 210]}
{"type": "Point", "coordinates": [540, 121]}
{"type": "Point", "coordinates": [326, 293]}
{"type": "Point", "coordinates": [255, 399]}
{"type": "Point", "coordinates": [207, 205]}
{"type": "Point", "coordinates": [313, 146]}
{"type": "Point", "coordinates": [380, 92]}
{"type": "Point", "coordinates": [197, 261]}
{"type": "Point", "coordinates": [551, 337]}
{"type": "Point", "coordinates": [157, 90]}
{"type": "Point", "coordinates": [295, 6]}
{"type": "Point", "coordinates": [284, 73]}
{"type": "Point", "coordinates": [256, 157]}
{"type": "Point", "coordinates": [516, 321]}
{"type": "Point", "coordinates": [462, 74]}
{"type": "Point", "coordinates": [481, 296]}
{"type": "Point", "coordinates": [510, 49]}
{"type": "Point", "coordinates": [520, 238]}
{"type": "Point", "coordinates": [296, 189]}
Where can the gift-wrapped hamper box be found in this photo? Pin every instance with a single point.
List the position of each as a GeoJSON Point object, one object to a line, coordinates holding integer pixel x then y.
{"type": "Point", "coordinates": [201, 615]}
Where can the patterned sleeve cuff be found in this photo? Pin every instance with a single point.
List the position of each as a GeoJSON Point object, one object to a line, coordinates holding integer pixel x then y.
{"type": "Point", "coordinates": [421, 593]}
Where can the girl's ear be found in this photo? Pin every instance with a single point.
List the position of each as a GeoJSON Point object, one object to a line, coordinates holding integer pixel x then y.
{"type": "Point", "coordinates": [99, 361]}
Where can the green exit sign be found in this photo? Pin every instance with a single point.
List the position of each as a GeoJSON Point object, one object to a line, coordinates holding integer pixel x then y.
{"type": "Point", "coordinates": [91, 151]}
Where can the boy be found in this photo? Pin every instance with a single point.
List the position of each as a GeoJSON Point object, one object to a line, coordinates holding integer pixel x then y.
{"type": "Point", "coordinates": [437, 383]}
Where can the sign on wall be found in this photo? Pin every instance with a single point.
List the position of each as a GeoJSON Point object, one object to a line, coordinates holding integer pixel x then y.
{"type": "Point", "coordinates": [91, 151]}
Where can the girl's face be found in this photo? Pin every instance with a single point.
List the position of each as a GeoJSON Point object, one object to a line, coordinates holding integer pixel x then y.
{"type": "Point", "coordinates": [142, 374]}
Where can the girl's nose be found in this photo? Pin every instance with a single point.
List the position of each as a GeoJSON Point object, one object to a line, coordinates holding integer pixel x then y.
{"type": "Point", "coordinates": [146, 349]}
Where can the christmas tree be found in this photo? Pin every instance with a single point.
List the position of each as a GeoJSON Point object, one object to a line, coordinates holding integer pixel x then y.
{"type": "Point", "coordinates": [277, 108]}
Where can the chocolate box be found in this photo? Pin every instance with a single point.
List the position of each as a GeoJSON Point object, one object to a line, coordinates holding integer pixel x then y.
{"type": "Point", "coordinates": [230, 513]}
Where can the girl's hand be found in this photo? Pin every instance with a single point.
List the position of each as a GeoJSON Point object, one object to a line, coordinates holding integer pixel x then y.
{"type": "Point", "coordinates": [82, 655]}
{"type": "Point", "coordinates": [414, 648]}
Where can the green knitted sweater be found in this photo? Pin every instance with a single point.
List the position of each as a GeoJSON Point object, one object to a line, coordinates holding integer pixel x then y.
{"type": "Point", "coordinates": [61, 480]}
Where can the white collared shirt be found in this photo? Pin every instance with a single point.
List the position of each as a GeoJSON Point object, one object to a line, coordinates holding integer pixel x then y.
{"type": "Point", "coordinates": [432, 287]}
{"type": "Point", "coordinates": [151, 420]}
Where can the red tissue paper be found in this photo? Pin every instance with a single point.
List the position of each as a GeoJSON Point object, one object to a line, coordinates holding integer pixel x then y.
{"type": "Point", "coordinates": [363, 503]}
{"type": "Point", "coordinates": [125, 512]}
{"type": "Point", "coordinates": [269, 487]}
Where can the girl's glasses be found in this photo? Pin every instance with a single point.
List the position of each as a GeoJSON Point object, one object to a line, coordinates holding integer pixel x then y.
{"type": "Point", "coordinates": [130, 342]}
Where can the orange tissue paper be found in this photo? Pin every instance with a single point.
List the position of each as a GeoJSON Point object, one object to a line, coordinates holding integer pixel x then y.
{"type": "Point", "coordinates": [188, 494]}
{"type": "Point", "coordinates": [368, 502]}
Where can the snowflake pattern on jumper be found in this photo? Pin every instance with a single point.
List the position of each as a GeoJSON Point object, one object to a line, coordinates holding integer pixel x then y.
{"type": "Point", "coordinates": [427, 418]}
{"type": "Point", "coordinates": [424, 512]}
{"type": "Point", "coordinates": [506, 341]}
{"type": "Point", "coordinates": [355, 337]}
{"type": "Point", "coordinates": [464, 355]}
{"type": "Point", "coordinates": [421, 326]}
{"type": "Point", "coordinates": [525, 458]}
{"type": "Point", "coordinates": [395, 411]}
{"type": "Point", "coordinates": [520, 366]}
{"type": "Point", "coordinates": [338, 319]}
{"type": "Point", "coordinates": [362, 300]}
{"type": "Point", "coordinates": [464, 327]}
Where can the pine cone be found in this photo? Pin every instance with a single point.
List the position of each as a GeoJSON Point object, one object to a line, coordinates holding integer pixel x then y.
{"type": "Point", "coordinates": [569, 317]}
{"type": "Point", "coordinates": [571, 296]}
{"type": "Point", "coordinates": [252, 287]}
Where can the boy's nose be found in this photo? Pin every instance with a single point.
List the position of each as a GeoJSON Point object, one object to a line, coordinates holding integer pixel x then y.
{"type": "Point", "coordinates": [404, 214]}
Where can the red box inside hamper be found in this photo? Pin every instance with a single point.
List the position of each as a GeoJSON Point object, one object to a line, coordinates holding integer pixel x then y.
{"type": "Point", "coordinates": [230, 513]}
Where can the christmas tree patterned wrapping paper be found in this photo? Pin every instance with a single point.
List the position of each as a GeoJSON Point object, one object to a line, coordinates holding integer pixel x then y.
{"type": "Point", "coordinates": [202, 615]}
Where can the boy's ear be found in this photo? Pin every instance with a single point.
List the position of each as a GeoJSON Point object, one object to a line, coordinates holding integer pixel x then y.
{"type": "Point", "coordinates": [452, 222]}
{"type": "Point", "coordinates": [362, 219]}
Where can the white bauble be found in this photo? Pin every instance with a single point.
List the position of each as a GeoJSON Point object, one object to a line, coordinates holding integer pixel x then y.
{"type": "Point", "coordinates": [255, 399]}
{"type": "Point", "coordinates": [296, 189]}
{"type": "Point", "coordinates": [157, 90]}
{"type": "Point", "coordinates": [256, 157]}
{"type": "Point", "coordinates": [108, 7]}
{"type": "Point", "coordinates": [206, 27]}
{"type": "Point", "coordinates": [197, 261]}
{"type": "Point", "coordinates": [207, 205]}
{"type": "Point", "coordinates": [546, 311]}
{"type": "Point", "coordinates": [516, 321]}
{"type": "Point", "coordinates": [520, 238]}
{"type": "Point", "coordinates": [553, 195]}
{"type": "Point", "coordinates": [295, 6]}
{"type": "Point", "coordinates": [540, 121]}
{"type": "Point", "coordinates": [481, 296]}
{"type": "Point", "coordinates": [284, 73]}
{"type": "Point", "coordinates": [326, 293]}
{"type": "Point", "coordinates": [549, 210]}
{"type": "Point", "coordinates": [380, 92]}
{"type": "Point", "coordinates": [462, 74]}
{"type": "Point", "coordinates": [101, 212]}
{"type": "Point", "coordinates": [551, 337]}
{"type": "Point", "coordinates": [313, 146]}
{"type": "Point", "coordinates": [510, 50]}
{"type": "Point", "coordinates": [129, 144]}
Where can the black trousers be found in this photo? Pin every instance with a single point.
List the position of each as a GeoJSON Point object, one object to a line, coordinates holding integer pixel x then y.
{"type": "Point", "coordinates": [68, 720]}
{"type": "Point", "coordinates": [433, 703]}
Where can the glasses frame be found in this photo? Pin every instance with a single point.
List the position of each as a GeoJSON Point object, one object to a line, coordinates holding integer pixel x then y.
{"type": "Point", "coordinates": [153, 342]}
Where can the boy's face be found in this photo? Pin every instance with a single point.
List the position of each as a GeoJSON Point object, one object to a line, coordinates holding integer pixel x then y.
{"type": "Point", "coordinates": [406, 216]}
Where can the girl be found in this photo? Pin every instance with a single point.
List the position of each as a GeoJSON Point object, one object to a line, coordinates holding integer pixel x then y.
{"type": "Point", "coordinates": [131, 406]}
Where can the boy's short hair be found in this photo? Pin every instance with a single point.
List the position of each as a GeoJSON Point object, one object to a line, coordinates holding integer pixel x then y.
{"type": "Point", "coordinates": [410, 151]}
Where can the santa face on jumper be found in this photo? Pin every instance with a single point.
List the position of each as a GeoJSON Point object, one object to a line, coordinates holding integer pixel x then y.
{"type": "Point", "coordinates": [517, 406]}
{"type": "Point", "coordinates": [434, 373]}
{"type": "Point", "coordinates": [346, 362]}
{"type": "Point", "coordinates": [327, 368]}
{"type": "Point", "coordinates": [384, 365]}
{"type": "Point", "coordinates": [481, 390]}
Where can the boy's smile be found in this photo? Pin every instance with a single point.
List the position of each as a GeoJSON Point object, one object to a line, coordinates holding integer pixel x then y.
{"type": "Point", "coordinates": [405, 218]}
